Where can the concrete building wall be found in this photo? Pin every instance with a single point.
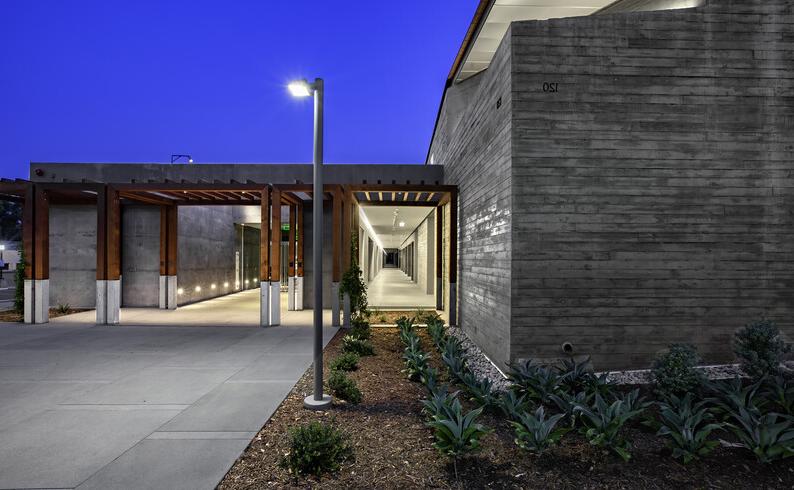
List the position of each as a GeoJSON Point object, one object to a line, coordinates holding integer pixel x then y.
{"type": "Point", "coordinates": [652, 193]}
{"type": "Point", "coordinates": [472, 141]}
{"type": "Point", "coordinates": [140, 256]}
{"type": "Point", "coordinates": [73, 256]}
{"type": "Point", "coordinates": [308, 266]}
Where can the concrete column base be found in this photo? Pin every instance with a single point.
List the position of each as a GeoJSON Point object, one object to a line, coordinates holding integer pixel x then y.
{"type": "Point", "coordinates": [37, 301]}
{"type": "Point", "coordinates": [335, 304]}
{"type": "Point", "coordinates": [264, 305]}
{"type": "Point", "coordinates": [346, 310]}
{"type": "Point", "coordinates": [163, 295]}
{"type": "Point", "coordinates": [108, 302]}
{"type": "Point", "coordinates": [291, 293]}
{"type": "Point", "coordinates": [439, 294]}
{"type": "Point", "coordinates": [275, 303]}
{"type": "Point", "coordinates": [171, 297]}
{"type": "Point", "coordinates": [299, 293]}
{"type": "Point", "coordinates": [453, 304]}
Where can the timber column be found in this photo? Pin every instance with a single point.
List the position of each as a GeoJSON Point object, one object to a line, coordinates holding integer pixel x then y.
{"type": "Point", "coordinates": [168, 257]}
{"type": "Point", "coordinates": [291, 260]}
{"type": "Point", "coordinates": [36, 238]}
{"type": "Point", "coordinates": [275, 257]}
{"type": "Point", "coordinates": [336, 258]}
{"type": "Point", "coordinates": [347, 236]}
{"type": "Point", "coordinates": [108, 256]}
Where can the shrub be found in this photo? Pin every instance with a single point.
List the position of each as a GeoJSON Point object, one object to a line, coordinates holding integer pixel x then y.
{"type": "Point", "coordinates": [759, 347]}
{"type": "Point", "coordinates": [769, 436]}
{"type": "Point", "coordinates": [604, 422]}
{"type": "Point", "coordinates": [674, 371]}
{"type": "Point", "coordinates": [780, 391]}
{"type": "Point", "coordinates": [345, 362]}
{"type": "Point", "coordinates": [405, 324]}
{"type": "Point", "coordinates": [344, 387]}
{"type": "Point", "coordinates": [357, 346]}
{"type": "Point", "coordinates": [63, 308]}
{"type": "Point", "coordinates": [537, 433]}
{"type": "Point", "coordinates": [360, 328]}
{"type": "Point", "coordinates": [316, 449]}
{"type": "Point", "coordinates": [687, 426]}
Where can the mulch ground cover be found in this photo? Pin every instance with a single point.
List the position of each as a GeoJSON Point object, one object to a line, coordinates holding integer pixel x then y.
{"type": "Point", "coordinates": [393, 447]}
{"type": "Point", "coordinates": [12, 316]}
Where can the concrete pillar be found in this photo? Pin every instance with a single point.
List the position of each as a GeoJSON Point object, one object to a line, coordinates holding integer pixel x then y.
{"type": "Point", "coordinates": [299, 293]}
{"type": "Point", "coordinates": [37, 301]}
{"type": "Point", "coordinates": [264, 304]}
{"type": "Point", "coordinates": [347, 313]}
{"type": "Point", "coordinates": [291, 293]}
{"type": "Point", "coordinates": [335, 304]}
{"type": "Point", "coordinates": [108, 301]}
{"type": "Point", "coordinates": [275, 303]}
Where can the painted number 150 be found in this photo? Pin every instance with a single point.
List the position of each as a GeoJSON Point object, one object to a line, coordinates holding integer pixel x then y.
{"type": "Point", "coordinates": [550, 86]}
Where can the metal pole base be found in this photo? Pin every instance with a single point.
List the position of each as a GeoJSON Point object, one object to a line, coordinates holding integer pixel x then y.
{"type": "Point", "coordinates": [312, 404]}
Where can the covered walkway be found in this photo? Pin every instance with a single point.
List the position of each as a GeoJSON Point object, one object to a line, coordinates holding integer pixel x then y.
{"type": "Point", "coordinates": [393, 289]}
{"type": "Point", "coordinates": [233, 310]}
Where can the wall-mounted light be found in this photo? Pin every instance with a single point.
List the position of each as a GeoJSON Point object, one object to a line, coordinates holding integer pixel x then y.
{"type": "Point", "coordinates": [180, 291]}
{"type": "Point", "coordinates": [402, 224]}
{"type": "Point", "coordinates": [226, 284]}
{"type": "Point", "coordinates": [198, 289]}
{"type": "Point", "coordinates": [213, 286]}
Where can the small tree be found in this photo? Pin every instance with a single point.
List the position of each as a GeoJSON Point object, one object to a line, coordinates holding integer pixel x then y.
{"type": "Point", "coordinates": [353, 282]}
{"type": "Point", "coordinates": [19, 276]}
{"type": "Point", "coordinates": [759, 347]}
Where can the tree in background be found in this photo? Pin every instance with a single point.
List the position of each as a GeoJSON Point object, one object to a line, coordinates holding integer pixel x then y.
{"type": "Point", "coordinates": [10, 221]}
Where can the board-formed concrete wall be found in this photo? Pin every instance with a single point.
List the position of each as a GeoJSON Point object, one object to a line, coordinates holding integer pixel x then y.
{"type": "Point", "coordinates": [140, 256]}
{"type": "Point", "coordinates": [653, 192]}
{"type": "Point", "coordinates": [472, 143]}
{"type": "Point", "coordinates": [73, 256]}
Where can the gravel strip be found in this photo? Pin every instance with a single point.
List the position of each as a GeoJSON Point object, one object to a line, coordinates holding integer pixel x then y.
{"type": "Point", "coordinates": [483, 367]}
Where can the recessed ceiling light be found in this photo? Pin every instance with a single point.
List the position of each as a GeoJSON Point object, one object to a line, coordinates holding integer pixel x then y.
{"type": "Point", "coordinates": [402, 224]}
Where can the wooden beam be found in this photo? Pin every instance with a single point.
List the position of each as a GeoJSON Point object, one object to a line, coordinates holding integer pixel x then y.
{"type": "Point", "coordinates": [264, 239]}
{"type": "Point", "coordinates": [108, 234]}
{"type": "Point", "coordinates": [336, 243]}
{"type": "Point", "coordinates": [163, 240]}
{"type": "Point", "coordinates": [291, 246]}
{"type": "Point", "coordinates": [275, 238]}
{"type": "Point", "coordinates": [29, 231]}
{"type": "Point", "coordinates": [42, 235]}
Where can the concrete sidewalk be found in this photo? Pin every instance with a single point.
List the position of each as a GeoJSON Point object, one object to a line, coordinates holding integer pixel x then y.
{"type": "Point", "coordinates": [84, 406]}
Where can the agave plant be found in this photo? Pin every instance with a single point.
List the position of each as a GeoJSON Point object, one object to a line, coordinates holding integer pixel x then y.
{"type": "Point", "coordinates": [535, 432]}
{"type": "Point", "coordinates": [429, 378]}
{"type": "Point", "coordinates": [575, 376]}
{"type": "Point", "coordinates": [458, 433]}
{"type": "Point", "coordinates": [435, 328]}
{"type": "Point", "coordinates": [405, 324]}
{"type": "Point", "coordinates": [769, 437]}
{"type": "Point", "coordinates": [603, 423]}
{"type": "Point", "coordinates": [480, 389]}
{"type": "Point", "coordinates": [534, 381]}
{"type": "Point", "coordinates": [600, 385]}
{"type": "Point", "coordinates": [567, 404]}
{"type": "Point", "coordinates": [416, 362]}
{"type": "Point", "coordinates": [687, 426]}
{"type": "Point", "coordinates": [408, 335]}
{"type": "Point", "coordinates": [453, 356]}
{"type": "Point", "coordinates": [780, 391]}
{"type": "Point", "coordinates": [439, 404]}
{"type": "Point", "coordinates": [512, 405]}
{"type": "Point", "coordinates": [732, 396]}
{"type": "Point", "coordinates": [633, 400]}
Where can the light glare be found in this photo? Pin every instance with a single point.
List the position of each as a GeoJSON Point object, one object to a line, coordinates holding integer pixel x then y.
{"type": "Point", "coordinates": [299, 88]}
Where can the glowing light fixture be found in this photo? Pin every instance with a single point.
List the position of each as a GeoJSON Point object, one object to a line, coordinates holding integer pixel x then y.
{"type": "Point", "coordinates": [402, 224]}
{"type": "Point", "coordinates": [226, 284]}
{"type": "Point", "coordinates": [300, 88]}
{"type": "Point", "coordinates": [213, 286]}
{"type": "Point", "coordinates": [180, 291]}
{"type": "Point", "coordinates": [198, 289]}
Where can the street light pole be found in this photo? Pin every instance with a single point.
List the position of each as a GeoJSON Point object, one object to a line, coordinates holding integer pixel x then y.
{"type": "Point", "coordinates": [317, 401]}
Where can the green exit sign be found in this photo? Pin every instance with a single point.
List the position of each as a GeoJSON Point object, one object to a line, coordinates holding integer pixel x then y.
{"type": "Point", "coordinates": [285, 227]}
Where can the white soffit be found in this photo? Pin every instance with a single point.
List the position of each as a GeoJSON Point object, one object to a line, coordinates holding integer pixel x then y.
{"type": "Point", "coordinates": [503, 12]}
{"type": "Point", "coordinates": [386, 224]}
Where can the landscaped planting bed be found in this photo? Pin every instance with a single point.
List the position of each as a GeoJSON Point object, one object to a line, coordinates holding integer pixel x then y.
{"type": "Point", "coordinates": [393, 446]}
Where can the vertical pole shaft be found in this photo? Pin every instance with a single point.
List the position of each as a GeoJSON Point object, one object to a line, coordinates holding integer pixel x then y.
{"type": "Point", "coordinates": [317, 239]}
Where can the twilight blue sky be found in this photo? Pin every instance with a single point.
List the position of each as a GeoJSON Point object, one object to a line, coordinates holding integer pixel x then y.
{"type": "Point", "coordinates": [113, 81]}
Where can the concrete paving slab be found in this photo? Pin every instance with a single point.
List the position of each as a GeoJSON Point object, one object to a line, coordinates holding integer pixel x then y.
{"type": "Point", "coordinates": [61, 448]}
{"type": "Point", "coordinates": [233, 407]}
{"type": "Point", "coordinates": [158, 385]}
{"type": "Point", "coordinates": [172, 464]}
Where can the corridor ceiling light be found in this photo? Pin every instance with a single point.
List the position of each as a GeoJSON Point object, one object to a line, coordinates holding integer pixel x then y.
{"type": "Point", "coordinates": [180, 291]}
{"type": "Point", "coordinates": [402, 224]}
{"type": "Point", "coordinates": [212, 286]}
{"type": "Point", "coordinates": [198, 289]}
{"type": "Point", "coordinates": [299, 88]}
{"type": "Point", "coordinates": [246, 281]}
{"type": "Point", "coordinates": [226, 284]}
